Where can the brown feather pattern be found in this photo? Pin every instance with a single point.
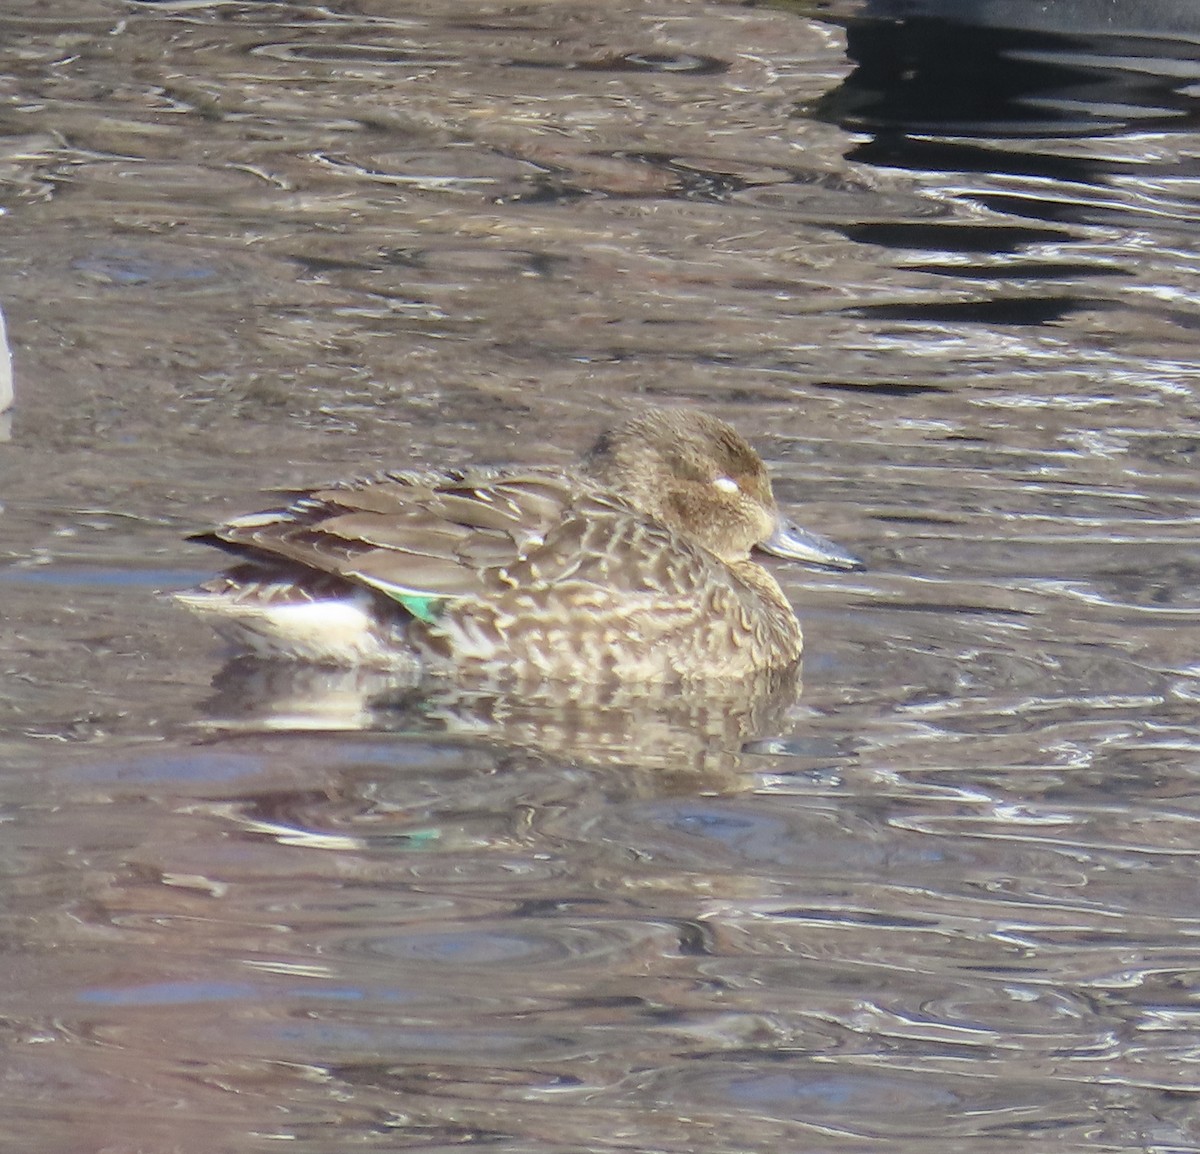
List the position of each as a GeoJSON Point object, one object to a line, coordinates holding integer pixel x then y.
{"type": "Point", "coordinates": [539, 572]}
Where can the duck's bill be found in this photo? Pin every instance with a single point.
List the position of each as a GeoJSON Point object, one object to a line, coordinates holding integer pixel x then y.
{"type": "Point", "coordinates": [798, 544]}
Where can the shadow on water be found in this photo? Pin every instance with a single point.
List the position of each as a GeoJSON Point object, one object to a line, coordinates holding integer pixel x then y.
{"type": "Point", "coordinates": [928, 74]}
{"type": "Point", "coordinates": [1017, 70]}
{"type": "Point", "coordinates": [1050, 118]}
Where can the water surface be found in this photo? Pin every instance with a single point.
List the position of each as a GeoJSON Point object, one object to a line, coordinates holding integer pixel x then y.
{"type": "Point", "coordinates": [943, 900]}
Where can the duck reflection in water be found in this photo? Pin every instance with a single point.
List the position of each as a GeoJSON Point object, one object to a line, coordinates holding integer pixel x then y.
{"type": "Point", "coordinates": [626, 584]}
{"type": "Point", "coordinates": [695, 729]}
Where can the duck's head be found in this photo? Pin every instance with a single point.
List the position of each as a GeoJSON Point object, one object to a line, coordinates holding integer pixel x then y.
{"type": "Point", "coordinates": [695, 474]}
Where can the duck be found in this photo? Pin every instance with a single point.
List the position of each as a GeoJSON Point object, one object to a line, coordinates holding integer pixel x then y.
{"type": "Point", "coordinates": [640, 564]}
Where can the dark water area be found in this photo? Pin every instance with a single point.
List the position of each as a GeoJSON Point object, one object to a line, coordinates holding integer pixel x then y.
{"type": "Point", "coordinates": [938, 263]}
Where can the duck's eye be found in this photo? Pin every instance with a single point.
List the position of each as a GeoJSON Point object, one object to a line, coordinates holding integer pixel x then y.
{"type": "Point", "coordinates": [726, 485]}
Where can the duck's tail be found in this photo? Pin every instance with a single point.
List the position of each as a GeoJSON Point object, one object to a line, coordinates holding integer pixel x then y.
{"type": "Point", "coordinates": [313, 618]}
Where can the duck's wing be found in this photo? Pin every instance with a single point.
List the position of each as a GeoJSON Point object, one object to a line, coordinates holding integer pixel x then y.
{"type": "Point", "coordinates": [609, 592]}
{"type": "Point", "coordinates": [410, 535]}
{"type": "Point", "coordinates": [601, 542]}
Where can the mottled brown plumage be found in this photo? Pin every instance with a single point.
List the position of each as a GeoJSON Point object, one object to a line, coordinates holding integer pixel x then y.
{"type": "Point", "coordinates": [635, 567]}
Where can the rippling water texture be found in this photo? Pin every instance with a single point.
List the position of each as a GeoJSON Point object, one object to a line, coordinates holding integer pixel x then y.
{"type": "Point", "coordinates": [944, 276]}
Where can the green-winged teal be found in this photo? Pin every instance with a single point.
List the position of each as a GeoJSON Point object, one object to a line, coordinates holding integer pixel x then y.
{"type": "Point", "coordinates": [635, 566]}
